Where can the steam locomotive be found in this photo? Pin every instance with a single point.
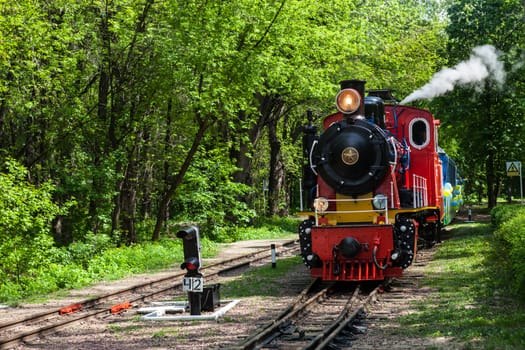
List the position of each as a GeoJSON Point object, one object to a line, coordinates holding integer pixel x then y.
{"type": "Point", "coordinates": [377, 186]}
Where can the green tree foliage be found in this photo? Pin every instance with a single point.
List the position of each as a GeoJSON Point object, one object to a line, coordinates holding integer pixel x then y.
{"type": "Point", "coordinates": [486, 114]}
{"type": "Point", "coordinates": [402, 43]}
{"type": "Point", "coordinates": [26, 212]}
{"type": "Point", "coordinates": [143, 111]}
{"type": "Point", "coordinates": [210, 197]}
{"type": "Point", "coordinates": [309, 49]}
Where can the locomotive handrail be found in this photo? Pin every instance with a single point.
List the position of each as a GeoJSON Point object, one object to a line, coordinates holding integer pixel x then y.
{"type": "Point", "coordinates": [391, 139]}
{"type": "Point", "coordinates": [420, 191]}
{"type": "Point", "coordinates": [392, 194]}
{"type": "Point", "coordinates": [310, 160]}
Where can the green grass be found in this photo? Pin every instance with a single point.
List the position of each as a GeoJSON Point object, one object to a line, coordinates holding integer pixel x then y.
{"type": "Point", "coordinates": [471, 302]}
{"type": "Point", "coordinates": [84, 267]}
{"type": "Point", "coordinates": [266, 228]}
{"type": "Point", "coordinates": [261, 281]}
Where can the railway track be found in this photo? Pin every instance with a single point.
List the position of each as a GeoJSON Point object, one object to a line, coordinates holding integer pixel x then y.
{"type": "Point", "coordinates": [321, 315]}
{"type": "Point", "coordinates": [27, 328]}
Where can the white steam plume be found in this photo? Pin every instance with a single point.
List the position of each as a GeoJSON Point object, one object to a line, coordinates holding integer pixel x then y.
{"type": "Point", "coordinates": [483, 63]}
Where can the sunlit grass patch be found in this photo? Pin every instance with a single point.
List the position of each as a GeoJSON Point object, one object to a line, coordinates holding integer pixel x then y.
{"type": "Point", "coordinates": [470, 303]}
{"type": "Point", "coordinates": [261, 281]}
{"type": "Point", "coordinates": [96, 260]}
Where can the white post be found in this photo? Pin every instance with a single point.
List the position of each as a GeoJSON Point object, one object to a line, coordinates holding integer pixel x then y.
{"type": "Point", "coordinates": [274, 259]}
{"type": "Point", "coordinates": [301, 194]}
{"type": "Point", "coordinates": [521, 185]}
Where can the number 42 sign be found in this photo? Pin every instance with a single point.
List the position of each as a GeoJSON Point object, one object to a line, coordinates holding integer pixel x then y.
{"type": "Point", "coordinates": [192, 284]}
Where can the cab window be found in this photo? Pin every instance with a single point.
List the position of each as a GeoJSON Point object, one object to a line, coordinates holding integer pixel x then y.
{"type": "Point", "coordinates": [419, 133]}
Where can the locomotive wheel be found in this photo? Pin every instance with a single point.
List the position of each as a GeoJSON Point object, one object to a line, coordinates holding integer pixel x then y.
{"type": "Point", "coordinates": [404, 238]}
{"type": "Point", "coordinates": [305, 240]}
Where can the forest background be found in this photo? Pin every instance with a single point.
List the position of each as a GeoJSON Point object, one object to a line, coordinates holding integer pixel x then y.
{"type": "Point", "coordinates": [122, 118]}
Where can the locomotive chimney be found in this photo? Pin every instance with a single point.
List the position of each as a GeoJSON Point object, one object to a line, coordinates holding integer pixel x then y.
{"type": "Point", "coordinates": [359, 86]}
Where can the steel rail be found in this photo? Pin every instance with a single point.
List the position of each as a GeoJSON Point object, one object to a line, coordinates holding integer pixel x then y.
{"type": "Point", "coordinates": [264, 336]}
{"type": "Point", "coordinates": [347, 316]}
{"type": "Point", "coordinates": [320, 339]}
{"type": "Point", "coordinates": [212, 270]}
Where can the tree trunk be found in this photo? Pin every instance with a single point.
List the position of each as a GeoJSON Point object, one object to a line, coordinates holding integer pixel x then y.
{"type": "Point", "coordinates": [490, 164]}
{"type": "Point", "coordinates": [172, 183]}
{"type": "Point", "coordinates": [277, 177]}
{"type": "Point", "coordinates": [491, 182]}
{"type": "Point", "coordinates": [246, 147]}
{"type": "Point", "coordinates": [271, 109]}
{"type": "Point", "coordinates": [119, 76]}
{"type": "Point", "coordinates": [102, 114]}
{"type": "Point", "coordinates": [128, 203]}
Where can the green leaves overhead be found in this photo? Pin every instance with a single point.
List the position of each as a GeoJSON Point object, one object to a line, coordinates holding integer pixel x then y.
{"type": "Point", "coordinates": [486, 114]}
{"type": "Point", "coordinates": [118, 102]}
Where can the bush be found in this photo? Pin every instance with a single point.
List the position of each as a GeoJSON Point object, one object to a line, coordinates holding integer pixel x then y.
{"type": "Point", "coordinates": [263, 228]}
{"type": "Point", "coordinates": [96, 258]}
{"type": "Point", "coordinates": [119, 262]}
{"type": "Point", "coordinates": [26, 211]}
{"type": "Point", "coordinates": [279, 223]}
{"type": "Point", "coordinates": [92, 245]}
{"type": "Point", "coordinates": [510, 223]}
{"type": "Point", "coordinates": [44, 280]}
{"type": "Point", "coordinates": [503, 213]}
{"type": "Point", "coordinates": [209, 196]}
{"type": "Point", "coordinates": [10, 291]}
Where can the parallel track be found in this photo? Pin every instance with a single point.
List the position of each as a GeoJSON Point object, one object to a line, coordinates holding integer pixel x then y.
{"type": "Point", "coordinates": [25, 329]}
{"type": "Point", "coordinates": [320, 315]}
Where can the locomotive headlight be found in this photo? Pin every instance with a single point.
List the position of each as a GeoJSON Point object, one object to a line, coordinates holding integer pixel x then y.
{"type": "Point", "coordinates": [321, 204]}
{"type": "Point", "coordinates": [348, 101]}
{"type": "Point", "coordinates": [380, 201]}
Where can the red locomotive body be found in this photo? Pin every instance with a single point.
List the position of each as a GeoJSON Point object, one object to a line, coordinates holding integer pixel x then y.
{"type": "Point", "coordinates": [374, 180]}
